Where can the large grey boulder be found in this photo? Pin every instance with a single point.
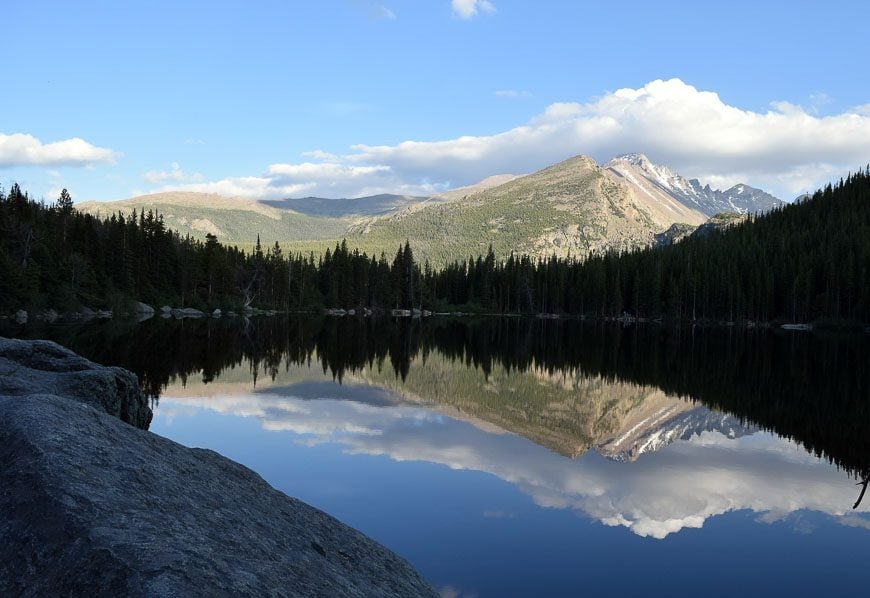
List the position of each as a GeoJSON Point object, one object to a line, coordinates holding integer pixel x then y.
{"type": "Point", "coordinates": [34, 367]}
{"type": "Point", "coordinates": [92, 506]}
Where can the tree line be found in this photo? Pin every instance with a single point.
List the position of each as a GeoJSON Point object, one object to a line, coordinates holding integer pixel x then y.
{"type": "Point", "coordinates": [804, 262]}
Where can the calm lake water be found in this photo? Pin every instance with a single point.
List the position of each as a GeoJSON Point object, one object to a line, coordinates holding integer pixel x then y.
{"type": "Point", "coordinates": [525, 457]}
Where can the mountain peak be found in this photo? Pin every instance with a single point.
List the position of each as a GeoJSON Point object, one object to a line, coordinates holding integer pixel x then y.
{"type": "Point", "coordinates": [633, 158]}
{"type": "Point", "coordinates": [637, 170]}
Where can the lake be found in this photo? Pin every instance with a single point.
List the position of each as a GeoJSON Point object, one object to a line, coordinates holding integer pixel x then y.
{"type": "Point", "coordinates": [530, 457]}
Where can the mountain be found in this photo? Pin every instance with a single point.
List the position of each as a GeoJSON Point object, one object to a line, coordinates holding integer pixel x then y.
{"type": "Point", "coordinates": [570, 208]}
{"type": "Point", "coordinates": [568, 413]}
{"type": "Point", "coordinates": [645, 431]}
{"type": "Point", "coordinates": [661, 188]}
{"type": "Point", "coordinates": [230, 219]}
{"type": "Point", "coordinates": [670, 188]}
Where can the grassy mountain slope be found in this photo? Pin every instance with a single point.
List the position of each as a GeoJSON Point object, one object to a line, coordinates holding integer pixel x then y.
{"type": "Point", "coordinates": [568, 208]}
{"type": "Point", "coordinates": [231, 220]}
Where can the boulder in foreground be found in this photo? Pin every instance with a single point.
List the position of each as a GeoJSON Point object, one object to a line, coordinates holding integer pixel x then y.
{"type": "Point", "coordinates": [90, 505]}
{"type": "Point", "coordinates": [36, 367]}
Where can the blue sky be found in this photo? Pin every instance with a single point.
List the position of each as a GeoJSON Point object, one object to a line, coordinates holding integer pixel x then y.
{"type": "Point", "coordinates": [347, 97]}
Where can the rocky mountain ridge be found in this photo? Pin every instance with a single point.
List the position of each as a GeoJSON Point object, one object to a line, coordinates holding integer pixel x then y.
{"type": "Point", "coordinates": [638, 170]}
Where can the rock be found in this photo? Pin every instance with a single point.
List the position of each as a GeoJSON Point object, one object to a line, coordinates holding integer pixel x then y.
{"type": "Point", "coordinates": [142, 311]}
{"type": "Point", "coordinates": [21, 316]}
{"type": "Point", "coordinates": [92, 506]}
{"type": "Point", "coordinates": [676, 233]}
{"type": "Point", "coordinates": [402, 313]}
{"type": "Point", "coordinates": [31, 367]}
{"type": "Point", "coordinates": [216, 313]}
{"type": "Point", "coordinates": [166, 309]}
{"type": "Point", "coordinates": [334, 311]}
{"type": "Point", "coordinates": [187, 312]}
{"type": "Point", "coordinates": [416, 313]}
{"type": "Point", "coordinates": [48, 315]}
{"type": "Point", "coordinates": [351, 312]}
{"type": "Point", "coordinates": [427, 313]}
{"type": "Point", "coordinates": [232, 314]}
{"type": "Point", "coordinates": [104, 314]}
{"type": "Point", "coordinates": [142, 308]}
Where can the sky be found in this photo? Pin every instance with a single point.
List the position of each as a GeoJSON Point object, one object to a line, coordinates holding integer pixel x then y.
{"type": "Point", "coordinates": [345, 98]}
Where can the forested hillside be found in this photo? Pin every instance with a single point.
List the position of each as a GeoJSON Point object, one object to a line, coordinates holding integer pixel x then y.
{"type": "Point", "coordinates": [805, 262]}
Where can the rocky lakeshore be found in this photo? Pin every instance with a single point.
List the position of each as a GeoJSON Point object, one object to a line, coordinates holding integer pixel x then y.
{"type": "Point", "coordinates": [93, 503]}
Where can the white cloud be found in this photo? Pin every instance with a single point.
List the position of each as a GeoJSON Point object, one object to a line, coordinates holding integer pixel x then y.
{"type": "Point", "coordinates": [466, 9]}
{"type": "Point", "coordinates": [321, 179]}
{"type": "Point", "coordinates": [194, 141]}
{"type": "Point", "coordinates": [173, 174]}
{"type": "Point", "coordinates": [785, 150]}
{"type": "Point", "coordinates": [385, 13]}
{"type": "Point", "coordinates": [21, 149]}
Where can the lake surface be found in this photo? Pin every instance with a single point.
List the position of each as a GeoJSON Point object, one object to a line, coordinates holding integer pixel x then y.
{"type": "Point", "coordinates": [526, 457]}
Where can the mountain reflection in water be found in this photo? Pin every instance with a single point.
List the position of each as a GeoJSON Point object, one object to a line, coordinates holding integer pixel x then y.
{"type": "Point", "coordinates": [561, 383]}
{"type": "Point", "coordinates": [709, 474]}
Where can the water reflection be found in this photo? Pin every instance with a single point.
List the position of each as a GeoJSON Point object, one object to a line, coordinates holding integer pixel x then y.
{"type": "Point", "coordinates": [542, 379]}
{"type": "Point", "coordinates": [757, 437]}
{"type": "Point", "coordinates": [706, 474]}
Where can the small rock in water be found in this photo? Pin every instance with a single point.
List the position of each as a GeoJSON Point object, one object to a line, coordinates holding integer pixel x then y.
{"type": "Point", "coordinates": [187, 312]}
{"type": "Point", "coordinates": [142, 308]}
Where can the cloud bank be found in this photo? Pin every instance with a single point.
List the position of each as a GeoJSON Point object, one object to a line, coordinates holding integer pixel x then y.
{"type": "Point", "coordinates": [787, 149]}
{"type": "Point", "coordinates": [21, 149]}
